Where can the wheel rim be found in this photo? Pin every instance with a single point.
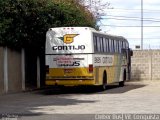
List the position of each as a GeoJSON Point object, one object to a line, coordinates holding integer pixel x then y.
{"type": "Point", "coordinates": [104, 86]}
{"type": "Point", "coordinates": [104, 81]}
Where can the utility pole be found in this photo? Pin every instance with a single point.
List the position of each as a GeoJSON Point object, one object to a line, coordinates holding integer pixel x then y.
{"type": "Point", "coordinates": [141, 24]}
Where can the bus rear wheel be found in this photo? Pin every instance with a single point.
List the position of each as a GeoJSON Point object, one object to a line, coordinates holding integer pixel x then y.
{"type": "Point", "coordinates": [121, 84]}
{"type": "Point", "coordinates": [103, 86]}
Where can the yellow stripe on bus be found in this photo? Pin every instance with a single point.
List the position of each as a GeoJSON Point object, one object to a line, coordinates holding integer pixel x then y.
{"type": "Point", "coordinates": [81, 75]}
{"type": "Point", "coordinates": [69, 72]}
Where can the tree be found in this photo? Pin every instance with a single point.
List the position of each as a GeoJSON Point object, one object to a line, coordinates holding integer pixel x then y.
{"type": "Point", "coordinates": [23, 23]}
{"type": "Point", "coordinates": [96, 7]}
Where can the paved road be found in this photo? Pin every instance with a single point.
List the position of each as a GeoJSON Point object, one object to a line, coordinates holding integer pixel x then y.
{"type": "Point", "coordinates": [135, 97]}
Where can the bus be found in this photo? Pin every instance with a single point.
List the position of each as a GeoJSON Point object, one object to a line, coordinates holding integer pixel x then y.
{"type": "Point", "coordinates": [77, 56]}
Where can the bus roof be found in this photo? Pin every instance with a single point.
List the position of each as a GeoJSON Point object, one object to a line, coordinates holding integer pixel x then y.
{"type": "Point", "coordinates": [68, 28]}
{"type": "Point", "coordinates": [92, 30]}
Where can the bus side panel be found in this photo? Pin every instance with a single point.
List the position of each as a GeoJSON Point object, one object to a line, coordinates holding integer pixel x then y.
{"type": "Point", "coordinates": [117, 67]}
{"type": "Point", "coordinates": [104, 63]}
{"type": "Point", "coordinates": [114, 66]}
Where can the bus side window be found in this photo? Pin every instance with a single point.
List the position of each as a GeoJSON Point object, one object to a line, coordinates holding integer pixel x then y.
{"type": "Point", "coordinates": [95, 43]}
{"type": "Point", "coordinates": [101, 44]}
{"type": "Point", "coordinates": [98, 45]}
{"type": "Point", "coordinates": [110, 45]}
{"type": "Point", "coordinates": [115, 46]}
{"type": "Point", "coordinates": [107, 44]}
{"type": "Point", "coordinates": [123, 44]}
{"type": "Point", "coordinates": [120, 46]}
{"type": "Point", "coordinates": [113, 49]}
{"type": "Point", "coordinates": [127, 45]}
{"type": "Point", "coordinates": [104, 45]}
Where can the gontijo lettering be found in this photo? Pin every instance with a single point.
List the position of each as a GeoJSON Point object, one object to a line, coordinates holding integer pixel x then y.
{"type": "Point", "coordinates": [70, 47]}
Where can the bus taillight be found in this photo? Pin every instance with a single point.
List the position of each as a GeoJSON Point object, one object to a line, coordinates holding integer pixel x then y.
{"type": "Point", "coordinates": [47, 69]}
{"type": "Point", "coordinates": [90, 68]}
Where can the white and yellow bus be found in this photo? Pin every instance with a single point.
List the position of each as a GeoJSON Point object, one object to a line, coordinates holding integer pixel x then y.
{"type": "Point", "coordinates": [83, 56]}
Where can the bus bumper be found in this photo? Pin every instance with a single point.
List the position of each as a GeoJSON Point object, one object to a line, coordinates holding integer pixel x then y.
{"type": "Point", "coordinates": [70, 82]}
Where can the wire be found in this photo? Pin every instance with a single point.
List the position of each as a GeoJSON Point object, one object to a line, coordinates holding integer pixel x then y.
{"type": "Point", "coordinates": [133, 17]}
{"type": "Point", "coordinates": [126, 26]}
{"type": "Point", "coordinates": [145, 38]}
{"type": "Point", "coordinates": [147, 20]}
{"type": "Point", "coordinates": [137, 10]}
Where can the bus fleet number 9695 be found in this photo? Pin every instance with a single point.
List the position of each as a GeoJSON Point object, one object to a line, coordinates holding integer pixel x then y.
{"type": "Point", "coordinates": [103, 60]}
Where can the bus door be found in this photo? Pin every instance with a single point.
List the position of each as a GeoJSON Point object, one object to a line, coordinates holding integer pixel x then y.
{"type": "Point", "coordinates": [128, 53]}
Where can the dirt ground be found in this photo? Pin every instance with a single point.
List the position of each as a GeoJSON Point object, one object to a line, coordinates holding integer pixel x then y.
{"type": "Point", "coordinates": [138, 97]}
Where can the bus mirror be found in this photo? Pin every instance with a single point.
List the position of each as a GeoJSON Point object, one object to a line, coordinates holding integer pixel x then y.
{"type": "Point", "coordinates": [131, 52]}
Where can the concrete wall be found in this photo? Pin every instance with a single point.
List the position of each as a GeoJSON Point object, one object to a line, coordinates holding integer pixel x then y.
{"type": "Point", "coordinates": [155, 59]}
{"type": "Point", "coordinates": [10, 70]}
{"type": "Point", "coordinates": [1, 71]}
{"type": "Point", "coordinates": [146, 65]}
{"type": "Point", "coordinates": [14, 71]}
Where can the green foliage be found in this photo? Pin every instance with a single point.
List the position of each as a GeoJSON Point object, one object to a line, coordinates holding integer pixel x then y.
{"type": "Point", "coordinates": [23, 23]}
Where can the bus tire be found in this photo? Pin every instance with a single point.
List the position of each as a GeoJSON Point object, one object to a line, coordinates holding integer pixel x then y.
{"type": "Point", "coordinates": [104, 84]}
{"type": "Point", "coordinates": [121, 84]}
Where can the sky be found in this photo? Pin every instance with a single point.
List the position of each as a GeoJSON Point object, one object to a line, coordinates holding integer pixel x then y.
{"type": "Point", "coordinates": [123, 17]}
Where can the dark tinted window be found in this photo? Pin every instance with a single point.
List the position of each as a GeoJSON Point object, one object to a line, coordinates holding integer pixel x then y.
{"type": "Point", "coordinates": [105, 44]}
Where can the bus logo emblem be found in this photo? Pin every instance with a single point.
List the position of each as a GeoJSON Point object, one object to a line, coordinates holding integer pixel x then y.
{"type": "Point", "coordinates": [69, 38]}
